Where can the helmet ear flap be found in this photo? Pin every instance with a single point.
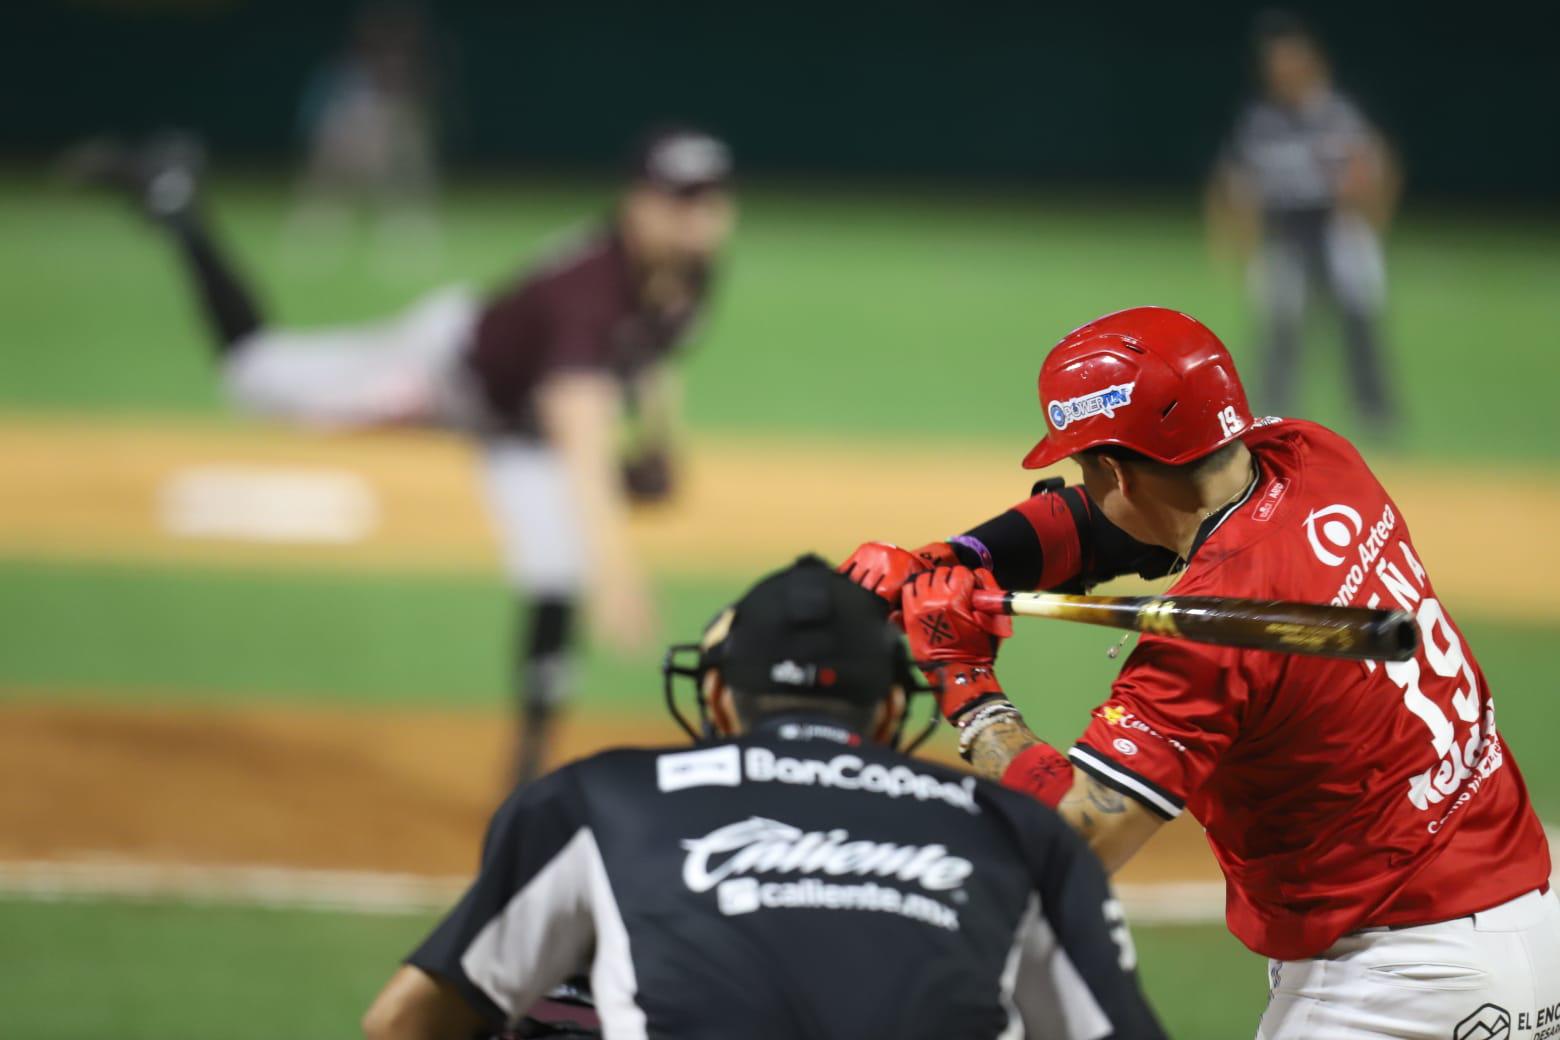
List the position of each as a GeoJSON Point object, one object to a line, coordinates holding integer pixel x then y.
{"type": "Point", "coordinates": [693, 661]}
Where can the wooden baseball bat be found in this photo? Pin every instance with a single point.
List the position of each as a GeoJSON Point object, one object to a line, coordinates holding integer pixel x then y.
{"type": "Point", "coordinates": [1356, 633]}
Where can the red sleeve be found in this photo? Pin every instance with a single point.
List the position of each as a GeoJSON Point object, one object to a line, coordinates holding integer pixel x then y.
{"type": "Point", "coordinates": [1173, 712]}
{"type": "Point", "coordinates": [1058, 519]}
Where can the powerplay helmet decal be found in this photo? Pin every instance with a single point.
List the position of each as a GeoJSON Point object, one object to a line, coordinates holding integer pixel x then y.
{"type": "Point", "coordinates": [1100, 402]}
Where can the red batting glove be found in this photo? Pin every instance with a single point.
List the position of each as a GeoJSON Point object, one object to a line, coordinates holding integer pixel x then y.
{"type": "Point", "coordinates": [883, 568]}
{"type": "Point", "coordinates": [954, 644]}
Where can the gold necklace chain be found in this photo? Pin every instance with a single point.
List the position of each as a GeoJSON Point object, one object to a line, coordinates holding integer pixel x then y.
{"type": "Point", "coordinates": [1243, 492]}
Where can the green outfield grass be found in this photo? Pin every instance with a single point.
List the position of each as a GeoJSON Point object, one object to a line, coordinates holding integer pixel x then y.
{"type": "Point", "coordinates": [837, 310]}
{"type": "Point", "coordinates": [171, 972]}
{"type": "Point", "coordinates": [842, 312]}
{"type": "Point", "coordinates": [129, 634]}
{"type": "Point", "coordinates": [168, 972]}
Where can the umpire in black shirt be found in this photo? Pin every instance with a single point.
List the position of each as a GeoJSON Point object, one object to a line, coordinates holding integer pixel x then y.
{"type": "Point", "coordinates": [791, 876]}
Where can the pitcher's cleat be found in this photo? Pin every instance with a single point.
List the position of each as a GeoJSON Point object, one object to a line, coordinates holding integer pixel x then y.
{"type": "Point", "coordinates": [161, 176]}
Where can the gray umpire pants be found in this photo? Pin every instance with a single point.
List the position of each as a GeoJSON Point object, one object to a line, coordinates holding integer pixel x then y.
{"type": "Point", "coordinates": [1340, 253]}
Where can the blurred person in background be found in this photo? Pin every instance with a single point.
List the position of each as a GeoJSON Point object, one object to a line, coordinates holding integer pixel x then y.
{"type": "Point", "coordinates": [565, 378]}
{"type": "Point", "coordinates": [1303, 190]}
{"type": "Point", "coordinates": [370, 120]}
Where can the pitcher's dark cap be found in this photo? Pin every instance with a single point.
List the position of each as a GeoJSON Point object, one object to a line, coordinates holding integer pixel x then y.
{"type": "Point", "coordinates": [810, 631]}
{"type": "Point", "coordinates": [682, 160]}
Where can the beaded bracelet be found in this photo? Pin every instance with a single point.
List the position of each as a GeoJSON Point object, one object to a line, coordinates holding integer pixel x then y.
{"type": "Point", "coordinates": [981, 721]}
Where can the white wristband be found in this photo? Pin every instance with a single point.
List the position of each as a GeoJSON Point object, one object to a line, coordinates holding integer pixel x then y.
{"type": "Point", "coordinates": [982, 721]}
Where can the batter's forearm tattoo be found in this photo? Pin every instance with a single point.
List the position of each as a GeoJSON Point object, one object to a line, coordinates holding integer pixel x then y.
{"type": "Point", "coordinates": [996, 747]}
{"type": "Point", "coordinates": [1089, 803]}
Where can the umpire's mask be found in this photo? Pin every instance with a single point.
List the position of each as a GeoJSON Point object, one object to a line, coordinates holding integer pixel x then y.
{"type": "Point", "coordinates": [805, 631]}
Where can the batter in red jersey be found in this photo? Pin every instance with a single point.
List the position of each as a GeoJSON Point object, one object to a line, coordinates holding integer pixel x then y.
{"type": "Point", "coordinates": [1373, 828]}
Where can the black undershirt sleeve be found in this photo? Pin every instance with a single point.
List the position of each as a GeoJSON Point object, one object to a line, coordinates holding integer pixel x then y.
{"type": "Point", "coordinates": [1019, 559]}
{"type": "Point", "coordinates": [1112, 553]}
{"type": "Point", "coordinates": [1016, 554]}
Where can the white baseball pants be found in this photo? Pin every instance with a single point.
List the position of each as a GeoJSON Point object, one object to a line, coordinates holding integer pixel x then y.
{"type": "Point", "coordinates": [1492, 976]}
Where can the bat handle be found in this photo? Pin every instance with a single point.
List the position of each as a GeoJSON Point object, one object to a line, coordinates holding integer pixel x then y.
{"type": "Point", "coordinates": [990, 601]}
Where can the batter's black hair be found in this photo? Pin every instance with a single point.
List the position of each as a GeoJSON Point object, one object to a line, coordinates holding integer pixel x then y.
{"type": "Point", "coordinates": [1196, 468]}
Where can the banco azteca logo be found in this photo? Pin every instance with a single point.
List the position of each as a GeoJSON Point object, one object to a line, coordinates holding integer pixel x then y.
{"type": "Point", "coordinates": [1332, 531]}
{"type": "Point", "coordinates": [1490, 1022]}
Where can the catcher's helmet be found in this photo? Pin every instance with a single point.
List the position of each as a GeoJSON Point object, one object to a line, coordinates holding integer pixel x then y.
{"type": "Point", "coordinates": [806, 631]}
{"type": "Point", "coordinates": [1148, 378]}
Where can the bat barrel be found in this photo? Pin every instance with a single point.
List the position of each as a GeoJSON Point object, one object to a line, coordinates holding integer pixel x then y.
{"type": "Point", "coordinates": [1355, 633]}
{"type": "Point", "coordinates": [1400, 633]}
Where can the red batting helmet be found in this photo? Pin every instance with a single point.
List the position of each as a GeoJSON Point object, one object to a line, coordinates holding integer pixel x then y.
{"type": "Point", "coordinates": [1148, 378]}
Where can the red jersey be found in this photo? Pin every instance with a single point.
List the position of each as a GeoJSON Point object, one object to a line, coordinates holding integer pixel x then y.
{"type": "Point", "coordinates": [1336, 795]}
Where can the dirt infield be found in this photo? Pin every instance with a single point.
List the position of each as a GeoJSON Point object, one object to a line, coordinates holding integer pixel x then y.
{"type": "Point", "coordinates": [401, 791]}
{"type": "Point", "coordinates": [160, 491]}
{"type": "Point", "coordinates": [392, 791]}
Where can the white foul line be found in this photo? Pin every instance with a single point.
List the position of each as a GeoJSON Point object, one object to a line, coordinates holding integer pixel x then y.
{"type": "Point", "coordinates": [371, 892]}
{"type": "Point", "coordinates": [256, 886]}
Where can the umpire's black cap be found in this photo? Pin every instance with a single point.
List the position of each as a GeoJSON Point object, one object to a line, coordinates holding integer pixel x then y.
{"type": "Point", "coordinates": [809, 631]}
{"type": "Point", "coordinates": [682, 160]}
